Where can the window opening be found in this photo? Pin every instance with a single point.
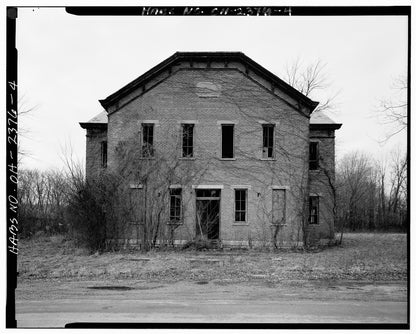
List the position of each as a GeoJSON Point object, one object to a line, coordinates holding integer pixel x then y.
{"type": "Point", "coordinates": [227, 141]}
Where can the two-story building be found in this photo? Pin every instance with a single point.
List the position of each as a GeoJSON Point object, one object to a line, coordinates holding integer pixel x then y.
{"type": "Point", "coordinates": [212, 145]}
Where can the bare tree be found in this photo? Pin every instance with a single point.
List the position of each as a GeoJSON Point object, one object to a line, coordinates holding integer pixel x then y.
{"type": "Point", "coordinates": [354, 175]}
{"type": "Point", "coordinates": [311, 80]}
{"type": "Point", "coordinates": [393, 110]}
{"type": "Point", "coordinates": [398, 192]}
{"type": "Point", "coordinates": [25, 112]}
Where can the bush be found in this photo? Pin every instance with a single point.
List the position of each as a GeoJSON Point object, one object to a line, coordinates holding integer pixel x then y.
{"type": "Point", "coordinates": [199, 244]}
{"type": "Point", "coordinates": [86, 216]}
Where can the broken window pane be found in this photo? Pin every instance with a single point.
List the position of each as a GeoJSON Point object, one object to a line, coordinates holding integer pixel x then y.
{"type": "Point", "coordinates": [214, 193]}
{"type": "Point", "coordinates": [175, 204]}
{"type": "Point", "coordinates": [147, 147]}
{"type": "Point", "coordinates": [268, 140]}
{"type": "Point", "coordinates": [240, 205]}
{"type": "Point", "coordinates": [227, 141]}
{"type": "Point", "coordinates": [187, 140]}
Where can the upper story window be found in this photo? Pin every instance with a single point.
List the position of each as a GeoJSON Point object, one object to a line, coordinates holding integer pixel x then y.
{"type": "Point", "coordinates": [187, 140]}
{"type": "Point", "coordinates": [147, 140]}
{"type": "Point", "coordinates": [227, 145]}
{"type": "Point", "coordinates": [103, 154]}
{"type": "Point", "coordinates": [268, 140]}
{"type": "Point", "coordinates": [313, 155]}
{"type": "Point", "coordinates": [313, 210]}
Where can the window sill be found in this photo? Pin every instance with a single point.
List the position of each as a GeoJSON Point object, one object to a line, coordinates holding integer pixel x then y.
{"type": "Point", "coordinates": [228, 159]}
{"type": "Point", "coordinates": [268, 159]}
{"type": "Point", "coordinates": [314, 224]}
{"type": "Point", "coordinates": [240, 224]}
{"type": "Point", "coordinates": [186, 158]}
{"type": "Point", "coordinates": [272, 224]}
{"type": "Point", "coordinates": [174, 223]}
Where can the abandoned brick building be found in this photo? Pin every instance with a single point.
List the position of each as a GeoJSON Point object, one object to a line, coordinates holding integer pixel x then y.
{"type": "Point", "coordinates": [212, 145]}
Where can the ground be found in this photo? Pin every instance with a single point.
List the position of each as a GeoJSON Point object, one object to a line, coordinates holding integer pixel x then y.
{"type": "Point", "coordinates": [368, 272]}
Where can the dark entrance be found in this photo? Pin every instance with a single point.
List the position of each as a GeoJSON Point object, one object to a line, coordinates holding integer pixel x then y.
{"type": "Point", "coordinates": [208, 213]}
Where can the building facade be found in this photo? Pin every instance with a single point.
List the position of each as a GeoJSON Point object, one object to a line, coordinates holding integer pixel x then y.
{"type": "Point", "coordinates": [212, 145]}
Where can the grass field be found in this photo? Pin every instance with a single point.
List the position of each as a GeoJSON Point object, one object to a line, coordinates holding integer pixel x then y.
{"type": "Point", "coordinates": [363, 256]}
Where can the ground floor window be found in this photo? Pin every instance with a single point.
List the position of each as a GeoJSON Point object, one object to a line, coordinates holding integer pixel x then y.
{"type": "Point", "coordinates": [241, 205]}
{"type": "Point", "coordinates": [279, 206]}
{"type": "Point", "coordinates": [175, 205]}
{"type": "Point", "coordinates": [313, 210]}
{"type": "Point", "coordinates": [136, 205]}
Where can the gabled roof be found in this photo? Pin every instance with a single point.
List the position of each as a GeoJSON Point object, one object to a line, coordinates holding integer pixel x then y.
{"type": "Point", "coordinates": [209, 56]}
{"type": "Point", "coordinates": [320, 120]}
{"type": "Point", "coordinates": [99, 120]}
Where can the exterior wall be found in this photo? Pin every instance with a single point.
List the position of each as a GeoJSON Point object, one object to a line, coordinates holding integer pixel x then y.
{"type": "Point", "coordinates": [245, 104]}
{"type": "Point", "coordinates": [93, 154]}
{"type": "Point", "coordinates": [320, 184]}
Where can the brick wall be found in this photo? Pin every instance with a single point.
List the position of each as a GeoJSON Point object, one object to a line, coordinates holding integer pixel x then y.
{"type": "Point", "coordinates": [95, 136]}
{"type": "Point", "coordinates": [320, 184]}
{"type": "Point", "coordinates": [246, 104]}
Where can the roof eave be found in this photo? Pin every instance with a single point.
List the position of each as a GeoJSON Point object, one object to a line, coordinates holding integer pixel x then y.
{"type": "Point", "coordinates": [331, 126]}
{"type": "Point", "coordinates": [87, 125]}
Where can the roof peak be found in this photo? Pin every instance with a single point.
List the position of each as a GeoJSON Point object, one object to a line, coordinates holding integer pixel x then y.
{"type": "Point", "coordinates": [207, 56]}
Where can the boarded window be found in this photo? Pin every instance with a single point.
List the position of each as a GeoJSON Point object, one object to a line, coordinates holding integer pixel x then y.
{"type": "Point", "coordinates": [227, 140]}
{"type": "Point", "coordinates": [279, 206]}
{"type": "Point", "coordinates": [241, 205]}
{"type": "Point", "coordinates": [313, 210]}
{"type": "Point", "coordinates": [147, 146]}
{"type": "Point", "coordinates": [187, 140]}
{"type": "Point", "coordinates": [313, 155]}
{"type": "Point", "coordinates": [268, 140]}
{"type": "Point", "coordinates": [137, 207]}
{"type": "Point", "coordinates": [175, 205]}
{"type": "Point", "coordinates": [103, 154]}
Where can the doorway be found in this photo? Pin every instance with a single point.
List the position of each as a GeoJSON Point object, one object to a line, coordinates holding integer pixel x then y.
{"type": "Point", "coordinates": [208, 213]}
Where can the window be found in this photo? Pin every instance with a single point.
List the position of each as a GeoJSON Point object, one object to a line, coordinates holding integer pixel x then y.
{"type": "Point", "coordinates": [313, 155]}
{"type": "Point", "coordinates": [240, 205]}
{"type": "Point", "coordinates": [313, 210]}
{"type": "Point", "coordinates": [208, 194]}
{"type": "Point", "coordinates": [175, 205]}
{"type": "Point", "coordinates": [227, 141]}
{"type": "Point", "coordinates": [147, 147]}
{"type": "Point", "coordinates": [268, 140]}
{"type": "Point", "coordinates": [187, 140]}
{"type": "Point", "coordinates": [103, 154]}
{"type": "Point", "coordinates": [137, 206]}
{"type": "Point", "coordinates": [279, 206]}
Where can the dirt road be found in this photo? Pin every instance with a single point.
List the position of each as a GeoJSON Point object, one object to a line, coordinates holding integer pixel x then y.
{"type": "Point", "coordinates": [55, 303]}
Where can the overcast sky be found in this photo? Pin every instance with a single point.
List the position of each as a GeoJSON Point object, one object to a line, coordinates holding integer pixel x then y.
{"type": "Point", "coordinates": [67, 63]}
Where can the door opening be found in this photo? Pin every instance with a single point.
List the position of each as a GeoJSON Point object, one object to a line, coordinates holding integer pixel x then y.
{"type": "Point", "coordinates": [208, 213]}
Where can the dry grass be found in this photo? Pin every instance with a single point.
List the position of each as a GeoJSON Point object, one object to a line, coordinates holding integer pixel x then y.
{"type": "Point", "coordinates": [363, 256]}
